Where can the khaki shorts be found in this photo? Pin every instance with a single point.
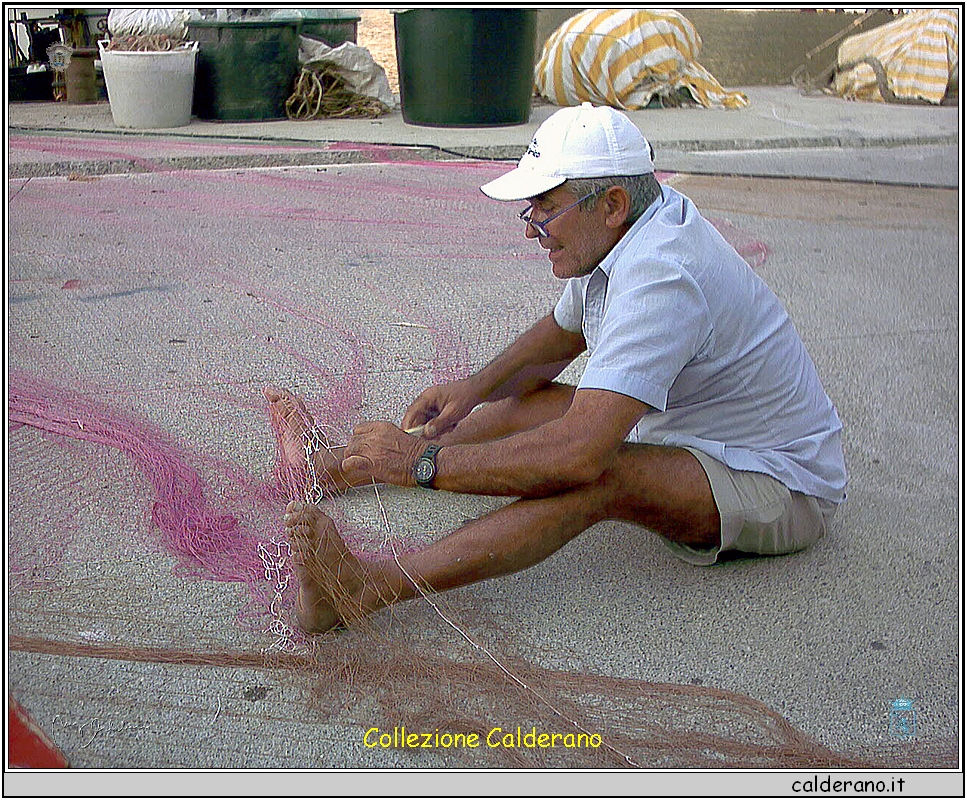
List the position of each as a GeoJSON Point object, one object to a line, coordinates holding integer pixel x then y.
{"type": "Point", "coordinates": [759, 514]}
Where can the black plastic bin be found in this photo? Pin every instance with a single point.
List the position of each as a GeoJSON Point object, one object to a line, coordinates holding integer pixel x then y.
{"type": "Point", "coordinates": [246, 68]}
{"type": "Point", "coordinates": [23, 86]}
{"type": "Point", "coordinates": [466, 67]}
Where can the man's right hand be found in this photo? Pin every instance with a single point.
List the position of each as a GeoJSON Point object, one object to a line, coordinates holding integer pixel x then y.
{"type": "Point", "coordinates": [441, 407]}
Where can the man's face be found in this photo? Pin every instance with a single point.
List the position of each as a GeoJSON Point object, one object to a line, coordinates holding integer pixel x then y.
{"type": "Point", "coordinates": [578, 239]}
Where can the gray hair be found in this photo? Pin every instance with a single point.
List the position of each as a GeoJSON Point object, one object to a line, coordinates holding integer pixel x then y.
{"type": "Point", "coordinates": [642, 189]}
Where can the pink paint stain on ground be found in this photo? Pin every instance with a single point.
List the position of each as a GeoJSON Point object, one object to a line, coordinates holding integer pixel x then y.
{"type": "Point", "coordinates": [144, 152]}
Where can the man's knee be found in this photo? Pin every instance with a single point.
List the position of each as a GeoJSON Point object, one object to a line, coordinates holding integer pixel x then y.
{"type": "Point", "coordinates": [666, 490]}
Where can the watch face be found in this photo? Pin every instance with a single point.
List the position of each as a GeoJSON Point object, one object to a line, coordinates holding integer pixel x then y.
{"type": "Point", "coordinates": [424, 470]}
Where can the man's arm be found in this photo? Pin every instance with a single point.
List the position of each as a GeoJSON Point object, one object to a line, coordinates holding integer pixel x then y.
{"type": "Point", "coordinates": [570, 451]}
{"type": "Point", "coordinates": [573, 450]}
{"type": "Point", "coordinates": [534, 359]}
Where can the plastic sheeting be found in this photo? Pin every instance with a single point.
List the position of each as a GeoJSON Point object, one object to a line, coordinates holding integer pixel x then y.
{"type": "Point", "coordinates": [911, 60]}
{"type": "Point", "coordinates": [171, 22]}
{"type": "Point", "coordinates": [626, 57]}
{"type": "Point", "coordinates": [355, 64]}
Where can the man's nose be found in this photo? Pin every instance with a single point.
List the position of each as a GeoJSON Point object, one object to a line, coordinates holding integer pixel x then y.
{"type": "Point", "coordinates": [530, 231]}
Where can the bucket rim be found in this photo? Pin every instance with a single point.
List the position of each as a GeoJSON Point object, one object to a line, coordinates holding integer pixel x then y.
{"type": "Point", "coordinates": [186, 47]}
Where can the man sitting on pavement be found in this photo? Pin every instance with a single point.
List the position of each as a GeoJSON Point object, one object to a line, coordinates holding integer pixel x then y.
{"type": "Point", "coordinates": [699, 415]}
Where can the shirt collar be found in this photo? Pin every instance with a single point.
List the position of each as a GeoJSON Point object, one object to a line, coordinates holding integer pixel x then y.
{"type": "Point", "coordinates": [608, 261]}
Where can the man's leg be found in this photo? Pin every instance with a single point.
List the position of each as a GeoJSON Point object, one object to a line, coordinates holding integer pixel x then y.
{"type": "Point", "coordinates": [664, 489]}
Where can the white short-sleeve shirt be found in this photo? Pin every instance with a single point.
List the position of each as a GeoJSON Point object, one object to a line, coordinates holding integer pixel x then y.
{"type": "Point", "coordinates": [675, 318]}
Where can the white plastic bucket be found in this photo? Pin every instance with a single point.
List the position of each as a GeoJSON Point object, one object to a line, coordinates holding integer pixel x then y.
{"type": "Point", "coordinates": [150, 89]}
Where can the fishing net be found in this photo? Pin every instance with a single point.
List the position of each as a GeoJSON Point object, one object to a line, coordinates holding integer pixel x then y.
{"type": "Point", "coordinates": [455, 677]}
{"type": "Point", "coordinates": [216, 518]}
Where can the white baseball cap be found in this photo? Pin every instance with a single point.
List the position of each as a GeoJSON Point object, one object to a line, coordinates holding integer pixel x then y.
{"type": "Point", "coordinates": [575, 142]}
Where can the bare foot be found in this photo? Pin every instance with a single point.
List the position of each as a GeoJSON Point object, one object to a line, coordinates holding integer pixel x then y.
{"type": "Point", "coordinates": [330, 577]}
{"type": "Point", "coordinates": [293, 422]}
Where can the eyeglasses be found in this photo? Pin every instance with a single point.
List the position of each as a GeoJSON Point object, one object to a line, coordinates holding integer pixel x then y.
{"type": "Point", "coordinates": [541, 227]}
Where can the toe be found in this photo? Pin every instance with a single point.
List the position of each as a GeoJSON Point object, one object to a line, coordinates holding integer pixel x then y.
{"type": "Point", "coordinates": [282, 399]}
{"type": "Point", "coordinates": [293, 409]}
{"type": "Point", "coordinates": [295, 514]}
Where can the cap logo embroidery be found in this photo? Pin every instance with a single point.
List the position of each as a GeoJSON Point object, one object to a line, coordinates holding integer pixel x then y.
{"type": "Point", "coordinates": [532, 149]}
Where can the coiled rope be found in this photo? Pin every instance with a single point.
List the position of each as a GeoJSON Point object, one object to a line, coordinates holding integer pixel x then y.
{"type": "Point", "coordinates": [323, 92]}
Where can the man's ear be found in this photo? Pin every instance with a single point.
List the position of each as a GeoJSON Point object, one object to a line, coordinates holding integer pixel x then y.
{"type": "Point", "coordinates": [617, 203]}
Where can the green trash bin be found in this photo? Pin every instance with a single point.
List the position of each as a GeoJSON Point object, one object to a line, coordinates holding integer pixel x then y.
{"type": "Point", "coordinates": [335, 26]}
{"type": "Point", "coordinates": [466, 67]}
{"type": "Point", "coordinates": [246, 68]}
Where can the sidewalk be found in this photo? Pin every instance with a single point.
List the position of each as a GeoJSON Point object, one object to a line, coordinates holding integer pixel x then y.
{"type": "Point", "coordinates": [780, 133]}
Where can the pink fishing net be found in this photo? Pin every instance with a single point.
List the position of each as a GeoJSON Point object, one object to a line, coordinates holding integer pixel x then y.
{"type": "Point", "coordinates": [219, 519]}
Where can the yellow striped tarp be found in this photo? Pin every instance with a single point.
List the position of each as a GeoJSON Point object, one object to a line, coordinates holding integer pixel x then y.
{"type": "Point", "coordinates": [623, 58]}
{"type": "Point", "coordinates": [911, 59]}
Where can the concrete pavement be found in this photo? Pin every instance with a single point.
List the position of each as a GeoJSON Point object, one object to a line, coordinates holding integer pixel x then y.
{"type": "Point", "coordinates": [353, 262]}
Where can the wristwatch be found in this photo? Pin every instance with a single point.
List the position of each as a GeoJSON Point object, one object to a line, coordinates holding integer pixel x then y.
{"type": "Point", "coordinates": [424, 470]}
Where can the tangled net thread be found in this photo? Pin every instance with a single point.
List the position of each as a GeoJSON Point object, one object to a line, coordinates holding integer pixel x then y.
{"type": "Point", "coordinates": [368, 674]}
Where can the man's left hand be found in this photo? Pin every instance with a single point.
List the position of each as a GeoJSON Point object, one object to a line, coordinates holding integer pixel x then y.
{"type": "Point", "coordinates": [383, 453]}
